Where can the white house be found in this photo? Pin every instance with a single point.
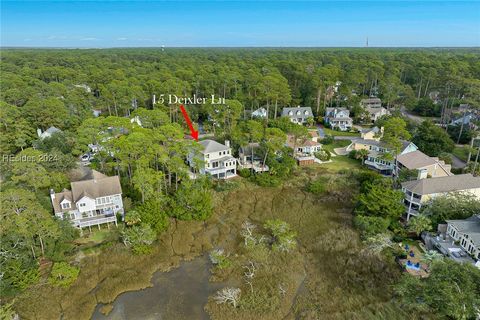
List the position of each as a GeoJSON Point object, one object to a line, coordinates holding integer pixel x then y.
{"type": "Point", "coordinates": [304, 149]}
{"type": "Point", "coordinates": [94, 200]}
{"type": "Point", "coordinates": [298, 115]}
{"type": "Point", "coordinates": [259, 113]}
{"type": "Point", "coordinates": [419, 192]}
{"type": "Point", "coordinates": [47, 133]}
{"type": "Point", "coordinates": [214, 159]}
{"type": "Point", "coordinates": [467, 233]}
{"type": "Point", "coordinates": [338, 118]}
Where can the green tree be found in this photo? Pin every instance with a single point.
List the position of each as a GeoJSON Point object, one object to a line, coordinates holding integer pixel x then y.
{"type": "Point", "coordinates": [192, 201]}
{"type": "Point", "coordinates": [380, 200]}
{"type": "Point", "coordinates": [419, 224]}
{"type": "Point", "coordinates": [432, 139]}
{"type": "Point", "coordinates": [452, 290]}
{"type": "Point", "coordinates": [153, 213]}
{"type": "Point", "coordinates": [283, 236]}
{"type": "Point", "coordinates": [451, 206]}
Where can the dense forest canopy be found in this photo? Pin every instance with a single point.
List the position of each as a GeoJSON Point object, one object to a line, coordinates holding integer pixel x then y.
{"type": "Point", "coordinates": [48, 87]}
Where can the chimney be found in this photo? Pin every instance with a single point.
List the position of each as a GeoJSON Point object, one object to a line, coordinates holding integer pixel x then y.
{"type": "Point", "coordinates": [422, 174]}
{"type": "Point", "coordinates": [154, 100]}
{"type": "Point", "coordinates": [52, 194]}
{"type": "Point", "coordinates": [39, 132]}
{"type": "Point", "coordinates": [227, 143]}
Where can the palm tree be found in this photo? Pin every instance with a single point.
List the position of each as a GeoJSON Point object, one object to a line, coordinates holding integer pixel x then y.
{"type": "Point", "coordinates": [361, 154]}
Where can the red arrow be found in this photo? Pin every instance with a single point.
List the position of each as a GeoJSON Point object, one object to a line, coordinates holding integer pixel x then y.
{"type": "Point", "coordinates": [193, 132]}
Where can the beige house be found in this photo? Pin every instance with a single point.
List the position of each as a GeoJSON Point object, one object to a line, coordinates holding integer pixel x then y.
{"type": "Point", "coordinates": [377, 150]}
{"type": "Point", "coordinates": [94, 200]}
{"type": "Point", "coordinates": [427, 167]}
{"type": "Point", "coordinates": [467, 233]}
{"type": "Point", "coordinates": [371, 103]}
{"type": "Point", "coordinates": [376, 113]}
{"type": "Point", "coordinates": [419, 192]}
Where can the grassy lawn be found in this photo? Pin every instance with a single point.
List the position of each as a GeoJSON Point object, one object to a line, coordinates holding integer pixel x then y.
{"type": "Point", "coordinates": [340, 133]}
{"type": "Point", "coordinates": [461, 152]}
{"type": "Point", "coordinates": [336, 144]}
{"type": "Point", "coordinates": [342, 163]}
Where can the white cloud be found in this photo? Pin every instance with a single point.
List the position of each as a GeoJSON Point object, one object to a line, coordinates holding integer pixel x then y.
{"type": "Point", "coordinates": [122, 39]}
{"type": "Point", "coordinates": [89, 39]}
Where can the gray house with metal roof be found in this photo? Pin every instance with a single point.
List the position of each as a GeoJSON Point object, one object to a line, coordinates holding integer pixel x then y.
{"type": "Point", "coordinates": [298, 115]}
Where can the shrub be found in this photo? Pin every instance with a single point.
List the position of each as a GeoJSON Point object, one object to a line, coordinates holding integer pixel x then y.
{"type": "Point", "coordinates": [323, 155]}
{"type": "Point", "coordinates": [245, 173]}
{"type": "Point", "coordinates": [318, 186]}
{"type": "Point", "coordinates": [138, 237]}
{"type": "Point", "coordinates": [328, 139]}
{"type": "Point", "coordinates": [370, 226]}
{"type": "Point", "coordinates": [63, 274]}
{"type": "Point", "coordinates": [266, 180]}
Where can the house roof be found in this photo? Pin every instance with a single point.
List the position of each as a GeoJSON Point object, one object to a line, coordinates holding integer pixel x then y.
{"type": "Point", "coordinates": [59, 197]}
{"type": "Point", "coordinates": [416, 160]}
{"type": "Point", "coordinates": [301, 142]}
{"type": "Point", "coordinates": [470, 226]}
{"type": "Point", "coordinates": [373, 110]}
{"type": "Point", "coordinates": [212, 146]}
{"type": "Point", "coordinates": [379, 143]}
{"type": "Point", "coordinates": [100, 186]}
{"type": "Point", "coordinates": [285, 111]}
{"type": "Point", "coordinates": [371, 100]}
{"type": "Point", "coordinates": [374, 130]}
{"type": "Point", "coordinates": [52, 130]}
{"type": "Point", "coordinates": [443, 184]}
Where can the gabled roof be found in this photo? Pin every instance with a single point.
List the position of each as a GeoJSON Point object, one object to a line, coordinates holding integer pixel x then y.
{"type": "Point", "coordinates": [99, 186]}
{"type": "Point", "coordinates": [443, 184]}
{"type": "Point", "coordinates": [52, 130]}
{"type": "Point", "coordinates": [301, 142]}
{"type": "Point", "coordinates": [212, 146]}
{"type": "Point", "coordinates": [416, 160]}
{"type": "Point", "coordinates": [470, 226]}
{"type": "Point", "coordinates": [285, 111]}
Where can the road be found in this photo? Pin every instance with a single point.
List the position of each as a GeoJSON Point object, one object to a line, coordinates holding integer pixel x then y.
{"type": "Point", "coordinates": [457, 162]}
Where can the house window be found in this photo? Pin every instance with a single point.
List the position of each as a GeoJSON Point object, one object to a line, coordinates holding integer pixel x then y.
{"type": "Point", "coordinates": [65, 205]}
{"type": "Point", "coordinates": [207, 156]}
{"type": "Point", "coordinates": [82, 204]}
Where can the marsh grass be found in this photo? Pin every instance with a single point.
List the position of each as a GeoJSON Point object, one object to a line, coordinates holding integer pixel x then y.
{"type": "Point", "coordinates": [328, 276]}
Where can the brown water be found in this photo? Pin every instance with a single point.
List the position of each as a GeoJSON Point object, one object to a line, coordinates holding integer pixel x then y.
{"type": "Point", "coordinates": [179, 294]}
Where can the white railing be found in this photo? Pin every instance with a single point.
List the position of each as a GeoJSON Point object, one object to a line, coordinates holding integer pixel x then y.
{"type": "Point", "coordinates": [94, 221]}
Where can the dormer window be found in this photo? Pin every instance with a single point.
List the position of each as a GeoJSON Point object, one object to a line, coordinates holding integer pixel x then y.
{"type": "Point", "coordinates": [306, 112]}
{"type": "Point", "coordinates": [290, 113]}
{"type": "Point", "coordinates": [299, 113]}
{"type": "Point", "coordinates": [66, 205]}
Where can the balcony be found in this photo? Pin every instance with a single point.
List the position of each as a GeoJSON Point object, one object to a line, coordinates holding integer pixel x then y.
{"type": "Point", "coordinates": [94, 221]}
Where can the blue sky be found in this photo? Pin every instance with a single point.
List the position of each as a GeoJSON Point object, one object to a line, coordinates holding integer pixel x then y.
{"type": "Point", "coordinates": [239, 24]}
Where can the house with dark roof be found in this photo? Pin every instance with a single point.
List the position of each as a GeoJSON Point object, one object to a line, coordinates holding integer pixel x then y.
{"type": "Point", "coordinates": [214, 159]}
{"type": "Point", "coordinates": [338, 118]}
{"type": "Point", "coordinates": [92, 201]}
{"type": "Point", "coordinates": [467, 233]}
{"type": "Point", "coordinates": [298, 115]}
{"type": "Point", "coordinates": [419, 192]}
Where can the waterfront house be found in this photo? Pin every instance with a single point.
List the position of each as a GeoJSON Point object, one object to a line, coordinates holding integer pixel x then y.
{"type": "Point", "coordinates": [427, 167]}
{"type": "Point", "coordinates": [304, 149]}
{"type": "Point", "coordinates": [419, 192]}
{"type": "Point", "coordinates": [467, 233]}
{"type": "Point", "coordinates": [298, 115]}
{"type": "Point", "coordinates": [214, 159]}
{"type": "Point", "coordinates": [377, 158]}
{"type": "Point", "coordinates": [250, 157]}
{"type": "Point", "coordinates": [92, 201]}
{"type": "Point", "coordinates": [338, 118]}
